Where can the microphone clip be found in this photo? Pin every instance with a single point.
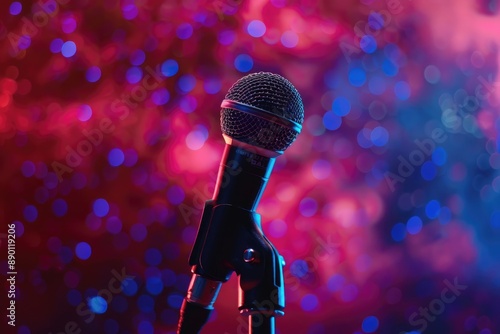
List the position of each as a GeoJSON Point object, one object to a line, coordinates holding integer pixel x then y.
{"type": "Point", "coordinates": [230, 239]}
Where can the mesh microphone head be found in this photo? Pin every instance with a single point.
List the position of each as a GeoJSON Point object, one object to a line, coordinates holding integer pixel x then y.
{"type": "Point", "coordinates": [263, 110]}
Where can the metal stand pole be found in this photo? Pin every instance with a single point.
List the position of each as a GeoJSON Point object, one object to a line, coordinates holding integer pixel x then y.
{"type": "Point", "coordinates": [261, 324]}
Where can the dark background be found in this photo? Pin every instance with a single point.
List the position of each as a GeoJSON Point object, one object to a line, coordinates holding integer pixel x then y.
{"type": "Point", "coordinates": [110, 143]}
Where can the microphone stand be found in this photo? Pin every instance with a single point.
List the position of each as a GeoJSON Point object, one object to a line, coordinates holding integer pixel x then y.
{"type": "Point", "coordinates": [230, 239]}
{"type": "Point", "coordinates": [234, 242]}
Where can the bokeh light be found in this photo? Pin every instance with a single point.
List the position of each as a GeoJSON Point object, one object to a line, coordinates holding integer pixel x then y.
{"type": "Point", "coordinates": [15, 8]}
{"type": "Point", "coordinates": [68, 49]}
{"type": "Point", "coordinates": [243, 63]}
{"type": "Point", "coordinates": [256, 28]}
{"type": "Point", "coordinates": [83, 250]}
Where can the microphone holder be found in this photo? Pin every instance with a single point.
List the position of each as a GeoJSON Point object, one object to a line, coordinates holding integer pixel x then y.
{"type": "Point", "coordinates": [230, 239]}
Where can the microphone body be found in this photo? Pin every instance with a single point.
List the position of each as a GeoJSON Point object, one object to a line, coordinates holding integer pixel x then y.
{"type": "Point", "coordinates": [259, 121]}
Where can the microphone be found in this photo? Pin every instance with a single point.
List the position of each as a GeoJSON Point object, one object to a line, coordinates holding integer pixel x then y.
{"type": "Point", "coordinates": [261, 116]}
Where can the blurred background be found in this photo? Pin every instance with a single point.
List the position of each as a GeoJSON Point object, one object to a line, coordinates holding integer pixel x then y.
{"type": "Point", "coordinates": [386, 208]}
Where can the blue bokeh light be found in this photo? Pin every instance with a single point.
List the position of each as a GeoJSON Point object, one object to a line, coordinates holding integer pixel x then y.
{"type": "Point", "coordinates": [93, 74]}
{"type": "Point", "coordinates": [414, 225]}
{"type": "Point", "coordinates": [243, 63]}
{"type": "Point", "coordinates": [188, 104]}
{"type": "Point", "coordinates": [66, 254]}
{"type": "Point", "coordinates": [299, 268]}
{"type": "Point", "coordinates": [308, 207]}
{"type": "Point", "coordinates": [357, 77]}
{"type": "Point", "coordinates": [68, 24]}
{"type": "Point", "coordinates": [169, 68]}
{"type": "Point", "coordinates": [50, 181]}
{"type": "Point", "coordinates": [402, 90]}
{"type": "Point", "coordinates": [100, 207]}
{"type": "Point", "coordinates": [335, 282]}
{"type": "Point", "coordinates": [432, 74]}
{"type": "Point", "coordinates": [277, 228]}
{"type": "Point", "coordinates": [56, 45]}
{"type": "Point", "coordinates": [30, 213]}
{"type": "Point", "coordinates": [113, 225]}
{"type": "Point", "coordinates": [154, 285]}
{"type": "Point", "coordinates": [377, 85]}
{"type": "Point", "coordinates": [278, 3]}
{"type": "Point", "coordinates": [379, 136]}
{"type": "Point", "coordinates": [390, 69]}
{"type": "Point", "coordinates": [495, 220]}
{"type": "Point", "coordinates": [398, 232]}
{"type": "Point", "coordinates": [19, 229]}
{"type": "Point", "coordinates": [186, 83]}
{"type": "Point", "coordinates": [341, 106]}
{"type": "Point", "coordinates": [212, 86]}
{"type": "Point", "coordinates": [111, 326]}
{"type": "Point", "coordinates": [134, 74]}
{"type": "Point", "coordinates": [444, 215]}
{"type": "Point", "coordinates": [309, 302]}
{"type": "Point", "coordinates": [97, 304]}
{"type": "Point", "coordinates": [432, 209]}
{"type": "Point", "coordinates": [153, 256]}
{"type": "Point", "coordinates": [349, 292]}
{"type": "Point", "coordinates": [59, 207]}
{"type": "Point", "coordinates": [116, 157]}
{"type": "Point", "coordinates": [256, 28]}
{"type": "Point", "coordinates": [15, 8]}
{"type": "Point", "coordinates": [129, 286]}
{"type": "Point", "coordinates": [331, 121]}
{"type": "Point", "coordinates": [368, 44]}
{"type": "Point", "coordinates": [28, 168]}
{"type": "Point", "coordinates": [376, 21]}
{"type": "Point", "coordinates": [175, 300]}
{"type": "Point", "coordinates": [182, 282]}
{"type": "Point", "coordinates": [160, 96]}
{"type": "Point", "coordinates": [74, 297]}
{"type": "Point", "coordinates": [138, 232]}
{"type": "Point", "coordinates": [370, 324]}
{"type": "Point", "coordinates": [184, 31]}
{"type": "Point", "coordinates": [68, 49]}
{"type": "Point", "coordinates": [227, 37]}
{"type": "Point", "coordinates": [137, 57]}
{"type": "Point", "coordinates": [84, 113]}
{"type": "Point", "coordinates": [119, 304]}
{"type": "Point", "coordinates": [168, 277]}
{"type": "Point", "coordinates": [188, 235]}
{"type": "Point", "coordinates": [145, 327]}
{"type": "Point", "coordinates": [289, 39]}
{"type": "Point", "coordinates": [439, 156]}
{"type": "Point", "coordinates": [146, 303]}
{"type": "Point", "coordinates": [83, 250]}
{"type": "Point", "coordinates": [428, 171]}
{"type": "Point", "coordinates": [175, 195]}
{"type": "Point", "coordinates": [24, 42]}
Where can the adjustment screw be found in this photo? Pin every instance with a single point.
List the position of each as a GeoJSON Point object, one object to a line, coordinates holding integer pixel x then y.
{"type": "Point", "coordinates": [249, 255]}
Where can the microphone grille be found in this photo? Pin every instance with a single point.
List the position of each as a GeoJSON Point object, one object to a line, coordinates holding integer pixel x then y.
{"type": "Point", "coordinates": [273, 94]}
